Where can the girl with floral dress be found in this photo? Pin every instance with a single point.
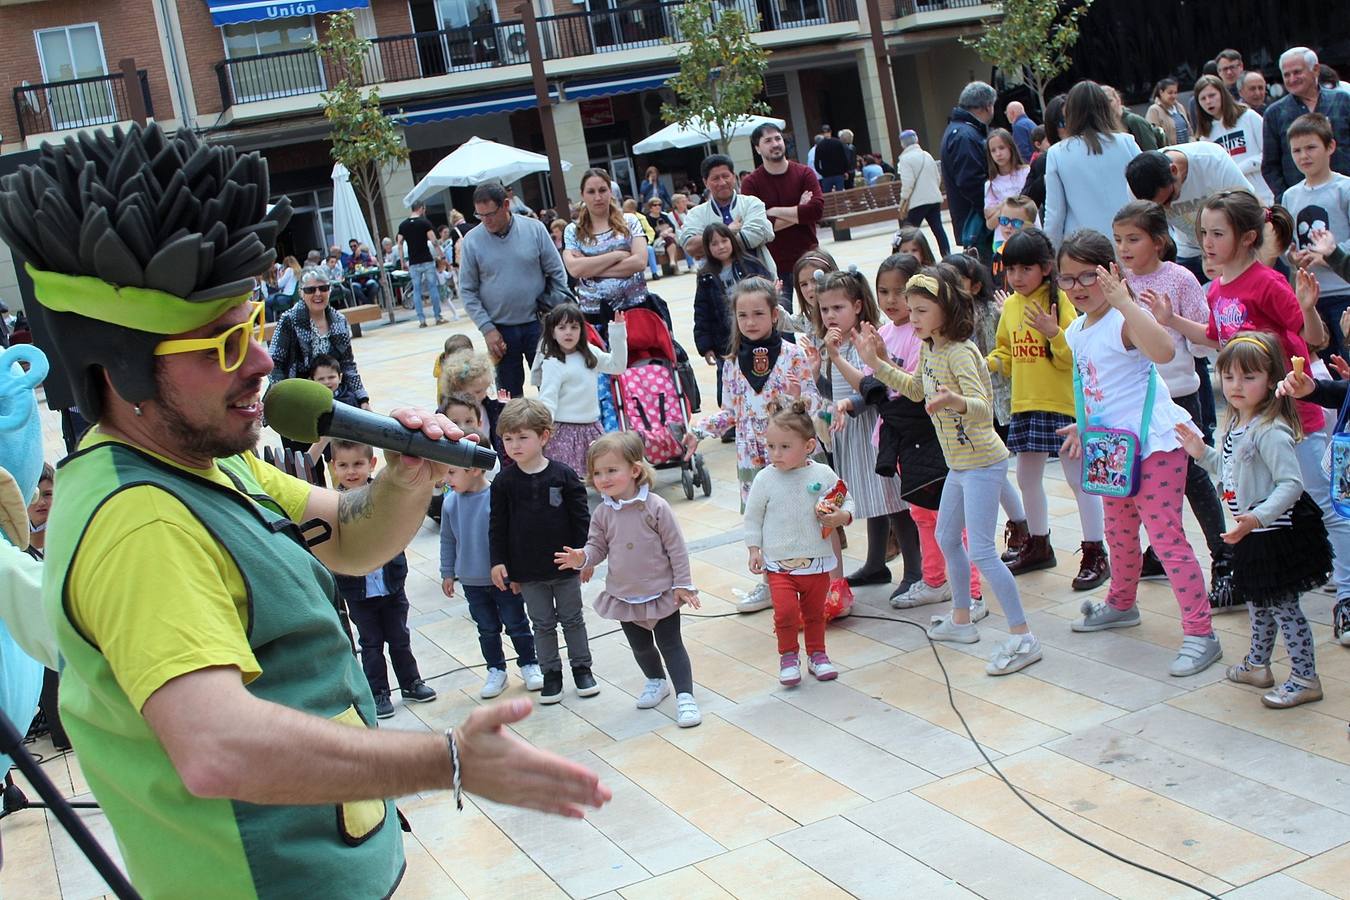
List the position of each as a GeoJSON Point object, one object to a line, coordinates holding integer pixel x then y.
{"type": "Point", "coordinates": [760, 368]}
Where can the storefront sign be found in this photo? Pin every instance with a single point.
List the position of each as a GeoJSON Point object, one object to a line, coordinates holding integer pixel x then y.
{"type": "Point", "coordinates": [596, 112]}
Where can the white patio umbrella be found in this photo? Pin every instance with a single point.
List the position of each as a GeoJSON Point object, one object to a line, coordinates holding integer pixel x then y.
{"type": "Point", "coordinates": [348, 222]}
{"type": "Point", "coordinates": [476, 161]}
{"type": "Point", "coordinates": [677, 137]}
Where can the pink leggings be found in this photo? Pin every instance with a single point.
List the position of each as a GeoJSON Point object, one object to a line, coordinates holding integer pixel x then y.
{"type": "Point", "coordinates": [1158, 505]}
{"type": "Point", "coordinates": [934, 564]}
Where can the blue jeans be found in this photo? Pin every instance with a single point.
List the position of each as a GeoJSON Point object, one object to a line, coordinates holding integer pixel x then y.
{"type": "Point", "coordinates": [521, 342]}
{"type": "Point", "coordinates": [425, 272]}
{"type": "Point", "coordinates": [1309, 453]}
{"type": "Point", "coordinates": [831, 183]}
{"type": "Point", "coordinates": [932, 214]}
{"type": "Point", "coordinates": [492, 610]}
{"type": "Point", "coordinates": [651, 262]}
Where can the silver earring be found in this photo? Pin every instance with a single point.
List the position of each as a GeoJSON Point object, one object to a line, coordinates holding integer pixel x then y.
{"type": "Point", "coordinates": [137, 408]}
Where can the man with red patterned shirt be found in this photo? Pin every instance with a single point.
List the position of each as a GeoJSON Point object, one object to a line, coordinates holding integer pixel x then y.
{"type": "Point", "coordinates": [792, 199]}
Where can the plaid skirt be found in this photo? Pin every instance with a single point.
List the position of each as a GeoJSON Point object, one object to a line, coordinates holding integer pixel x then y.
{"type": "Point", "coordinates": [1034, 432]}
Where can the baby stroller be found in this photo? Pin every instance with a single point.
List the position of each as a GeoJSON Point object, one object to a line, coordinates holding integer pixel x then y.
{"type": "Point", "coordinates": [652, 401]}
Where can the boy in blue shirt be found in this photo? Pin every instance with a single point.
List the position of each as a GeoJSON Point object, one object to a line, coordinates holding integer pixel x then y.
{"type": "Point", "coordinates": [465, 558]}
{"type": "Point", "coordinates": [377, 602]}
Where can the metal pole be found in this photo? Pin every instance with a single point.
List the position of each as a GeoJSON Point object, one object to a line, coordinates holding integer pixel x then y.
{"type": "Point", "coordinates": [884, 75]}
{"type": "Point", "coordinates": [536, 51]}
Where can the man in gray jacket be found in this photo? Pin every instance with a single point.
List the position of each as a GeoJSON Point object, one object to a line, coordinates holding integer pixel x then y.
{"type": "Point", "coordinates": [504, 267]}
{"type": "Point", "coordinates": [742, 213]}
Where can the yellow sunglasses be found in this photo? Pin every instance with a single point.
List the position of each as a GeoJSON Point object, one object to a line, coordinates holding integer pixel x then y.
{"type": "Point", "coordinates": [231, 345]}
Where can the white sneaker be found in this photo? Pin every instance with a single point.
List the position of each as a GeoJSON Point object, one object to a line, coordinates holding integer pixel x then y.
{"type": "Point", "coordinates": [686, 711]}
{"type": "Point", "coordinates": [755, 600]}
{"type": "Point", "coordinates": [494, 684]}
{"type": "Point", "coordinates": [922, 594]}
{"type": "Point", "coordinates": [1017, 652]}
{"type": "Point", "coordinates": [944, 629]}
{"type": "Point", "coordinates": [534, 679]}
{"type": "Point", "coordinates": [657, 689]}
{"type": "Point", "coordinates": [978, 610]}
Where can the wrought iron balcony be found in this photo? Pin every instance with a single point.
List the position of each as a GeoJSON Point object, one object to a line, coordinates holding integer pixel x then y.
{"type": "Point", "coordinates": [426, 54]}
{"type": "Point", "coordinates": [911, 7]}
{"type": "Point", "coordinates": [77, 103]}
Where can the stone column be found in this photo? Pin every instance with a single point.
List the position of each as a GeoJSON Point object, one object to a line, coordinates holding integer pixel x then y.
{"type": "Point", "coordinates": [883, 143]}
{"type": "Point", "coordinates": [571, 144]}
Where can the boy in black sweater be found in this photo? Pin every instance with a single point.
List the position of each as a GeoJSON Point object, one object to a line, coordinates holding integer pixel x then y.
{"type": "Point", "coordinates": [538, 507]}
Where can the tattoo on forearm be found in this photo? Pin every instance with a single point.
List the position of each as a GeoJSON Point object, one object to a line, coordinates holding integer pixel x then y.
{"type": "Point", "coordinates": [354, 505]}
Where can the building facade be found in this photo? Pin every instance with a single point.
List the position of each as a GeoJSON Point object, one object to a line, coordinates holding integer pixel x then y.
{"type": "Point", "coordinates": [245, 72]}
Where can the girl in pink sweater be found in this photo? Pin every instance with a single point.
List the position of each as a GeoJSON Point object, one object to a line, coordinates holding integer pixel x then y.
{"type": "Point", "coordinates": [648, 578]}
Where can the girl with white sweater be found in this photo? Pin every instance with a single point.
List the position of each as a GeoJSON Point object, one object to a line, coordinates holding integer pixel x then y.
{"type": "Point", "coordinates": [1235, 127]}
{"type": "Point", "coordinates": [794, 506]}
{"type": "Point", "coordinates": [569, 378]}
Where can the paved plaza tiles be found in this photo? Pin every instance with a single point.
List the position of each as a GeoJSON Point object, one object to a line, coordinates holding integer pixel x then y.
{"type": "Point", "coordinates": [866, 786]}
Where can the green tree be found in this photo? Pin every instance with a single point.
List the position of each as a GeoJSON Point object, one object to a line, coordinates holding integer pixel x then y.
{"type": "Point", "coordinates": [721, 70]}
{"type": "Point", "coordinates": [365, 140]}
{"type": "Point", "coordinates": [1031, 37]}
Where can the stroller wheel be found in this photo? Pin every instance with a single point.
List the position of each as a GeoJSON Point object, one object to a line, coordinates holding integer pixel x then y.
{"type": "Point", "coordinates": [687, 479]}
{"type": "Point", "coordinates": [704, 480]}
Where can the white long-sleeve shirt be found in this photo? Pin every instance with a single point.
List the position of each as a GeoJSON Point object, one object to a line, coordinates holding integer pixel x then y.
{"type": "Point", "coordinates": [1244, 143]}
{"type": "Point", "coordinates": [568, 386]}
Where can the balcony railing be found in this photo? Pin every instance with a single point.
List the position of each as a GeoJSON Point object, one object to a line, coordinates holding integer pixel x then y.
{"type": "Point", "coordinates": [910, 7]}
{"type": "Point", "coordinates": [426, 54]}
{"type": "Point", "coordinates": [78, 103]}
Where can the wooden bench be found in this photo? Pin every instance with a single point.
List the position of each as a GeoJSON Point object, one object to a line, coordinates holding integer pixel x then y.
{"type": "Point", "coordinates": [861, 206]}
{"type": "Point", "coordinates": [355, 315]}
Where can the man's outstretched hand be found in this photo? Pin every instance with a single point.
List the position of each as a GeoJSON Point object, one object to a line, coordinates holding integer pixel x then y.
{"type": "Point", "coordinates": [496, 765]}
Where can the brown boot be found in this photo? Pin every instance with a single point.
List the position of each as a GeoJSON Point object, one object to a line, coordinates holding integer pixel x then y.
{"type": "Point", "coordinates": [1094, 568]}
{"type": "Point", "coordinates": [1015, 536]}
{"type": "Point", "coordinates": [1036, 554]}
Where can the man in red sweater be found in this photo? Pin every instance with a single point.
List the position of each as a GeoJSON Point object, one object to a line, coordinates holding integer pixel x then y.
{"type": "Point", "coordinates": [792, 199]}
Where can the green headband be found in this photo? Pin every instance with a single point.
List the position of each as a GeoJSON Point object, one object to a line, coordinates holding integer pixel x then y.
{"type": "Point", "coordinates": [140, 309]}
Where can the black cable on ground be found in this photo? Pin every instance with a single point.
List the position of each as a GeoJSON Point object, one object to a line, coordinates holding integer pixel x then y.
{"type": "Point", "coordinates": [951, 701]}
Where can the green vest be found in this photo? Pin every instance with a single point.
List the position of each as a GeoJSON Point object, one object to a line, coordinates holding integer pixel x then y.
{"type": "Point", "coordinates": [176, 844]}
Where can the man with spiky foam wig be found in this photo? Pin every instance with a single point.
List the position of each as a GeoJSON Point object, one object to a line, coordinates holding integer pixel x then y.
{"type": "Point", "coordinates": [209, 686]}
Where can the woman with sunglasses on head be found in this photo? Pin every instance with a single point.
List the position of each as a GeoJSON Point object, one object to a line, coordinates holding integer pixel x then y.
{"type": "Point", "coordinates": [311, 329]}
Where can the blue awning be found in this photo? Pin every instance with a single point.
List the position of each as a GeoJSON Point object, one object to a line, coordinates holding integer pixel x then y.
{"type": "Point", "coordinates": [230, 12]}
{"type": "Point", "coordinates": [612, 87]}
{"type": "Point", "coordinates": [479, 105]}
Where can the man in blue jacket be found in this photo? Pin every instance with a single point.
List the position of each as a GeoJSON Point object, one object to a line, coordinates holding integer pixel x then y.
{"type": "Point", "coordinates": [964, 168]}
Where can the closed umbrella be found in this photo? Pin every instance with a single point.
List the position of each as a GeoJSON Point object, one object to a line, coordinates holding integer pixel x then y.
{"type": "Point", "coordinates": [348, 222]}
{"type": "Point", "coordinates": [476, 161]}
{"type": "Point", "coordinates": [695, 134]}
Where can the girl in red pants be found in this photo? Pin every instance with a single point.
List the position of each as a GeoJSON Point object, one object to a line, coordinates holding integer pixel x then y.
{"type": "Point", "coordinates": [788, 521]}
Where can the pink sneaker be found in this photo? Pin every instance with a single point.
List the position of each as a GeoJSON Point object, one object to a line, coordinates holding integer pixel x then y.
{"type": "Point", "coordinates": [789, 670]}
{"type": "Point", "coordinates": [820, 666]}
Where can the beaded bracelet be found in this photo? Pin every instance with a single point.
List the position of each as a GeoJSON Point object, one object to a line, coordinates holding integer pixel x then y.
{"type": "Point", "coordinates": [454, 764]}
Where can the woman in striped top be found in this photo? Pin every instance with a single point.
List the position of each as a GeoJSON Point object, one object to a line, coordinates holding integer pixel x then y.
{"type": "Point", "coordinates": [953, 383]}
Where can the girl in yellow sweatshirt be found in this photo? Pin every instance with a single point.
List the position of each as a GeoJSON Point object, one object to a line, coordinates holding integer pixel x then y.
{"type": "Point", "coordinates": [1031, 351]}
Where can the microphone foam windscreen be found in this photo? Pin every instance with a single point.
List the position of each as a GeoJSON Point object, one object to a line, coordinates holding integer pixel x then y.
{"type": "Point", "coordinates": [293, 408]}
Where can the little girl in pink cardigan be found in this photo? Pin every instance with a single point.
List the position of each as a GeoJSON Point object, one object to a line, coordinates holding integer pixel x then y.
{"type": "Point", "coordinates": [648, 577]}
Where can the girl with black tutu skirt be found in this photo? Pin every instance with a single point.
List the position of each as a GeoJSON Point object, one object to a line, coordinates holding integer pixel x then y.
{"type": "Point", "coordinates": [1280, 546]}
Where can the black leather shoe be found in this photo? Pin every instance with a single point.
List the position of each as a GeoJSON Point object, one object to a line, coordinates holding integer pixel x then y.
{"type": "Point", "coordinates": [861, 578]}
{"type": "Point", "coordinates": [585, 681]}
{"type": "Point", "coordinates": [552, 691]}
{"type": "Point", "coordinates": [384, 708]}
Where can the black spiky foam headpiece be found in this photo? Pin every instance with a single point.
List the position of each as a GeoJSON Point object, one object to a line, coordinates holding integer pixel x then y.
{"type": "Point", "coordinates": [130, 236]}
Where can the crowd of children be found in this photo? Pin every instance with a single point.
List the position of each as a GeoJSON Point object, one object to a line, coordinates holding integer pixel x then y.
{"type": "Point", "coordinates": [907, 407]}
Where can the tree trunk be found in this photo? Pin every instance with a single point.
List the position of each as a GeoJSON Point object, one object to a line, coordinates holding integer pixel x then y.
{"type": "Point", "coordinates": [386, 286]}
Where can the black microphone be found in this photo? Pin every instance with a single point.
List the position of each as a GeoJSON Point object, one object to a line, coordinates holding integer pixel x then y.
{"type": "Point", "coordinates": [302, 410]}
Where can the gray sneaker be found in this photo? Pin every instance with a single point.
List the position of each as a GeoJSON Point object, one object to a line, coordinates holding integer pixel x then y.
{"type": "Point", "coordinates": [1196, 655]}
{"type": "Point", "coordinates": [755, 600]}
{"type": "Point", "coordinates": [978, 609]}
{"type": "Point", "coordinates": [944, 629]}
{"type": "Point", "coordinates": [922, 594]}
{"type": "Point", "coordinates": [1101, 616]}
